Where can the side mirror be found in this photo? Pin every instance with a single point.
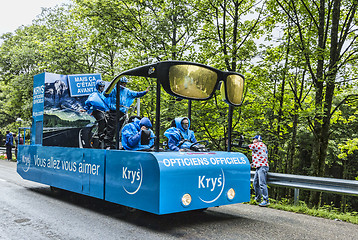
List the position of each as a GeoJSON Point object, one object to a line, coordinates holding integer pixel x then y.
{"type": "Point", "coordinates": [145, 137]}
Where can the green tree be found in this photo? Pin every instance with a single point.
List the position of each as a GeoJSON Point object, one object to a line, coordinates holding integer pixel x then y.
{"type": "Point", "coordinates": [19, 58]}
{"type": "Point", "coordinates": [322, 32]}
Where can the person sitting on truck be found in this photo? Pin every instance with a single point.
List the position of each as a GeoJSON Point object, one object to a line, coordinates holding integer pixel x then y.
{"type": "Point", "coordinates": [127, 97]}
{"type": "Point", "coordinates": [180, 137]}
{"type": "Point", "coordinates": [131, 134]}
{"type": "Point", "coordinates": [98, 108]}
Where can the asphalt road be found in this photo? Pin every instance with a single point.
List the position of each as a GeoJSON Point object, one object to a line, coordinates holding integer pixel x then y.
{"type": "Point", "coordinates": [31, 211]}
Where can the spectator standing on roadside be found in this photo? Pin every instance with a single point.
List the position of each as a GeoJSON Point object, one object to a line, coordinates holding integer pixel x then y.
{"type": "Point", "coordinates": [9, 142]}
{"type": "Point", "coordinates": [260, 162]}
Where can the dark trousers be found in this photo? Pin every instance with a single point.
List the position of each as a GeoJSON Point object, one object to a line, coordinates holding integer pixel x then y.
{"type": "Point", "coordinates": [111, 127]}
{"type": "Point", "coordinates": [9, 152]}
{"type": "Point", "coordinates": [101, 118]}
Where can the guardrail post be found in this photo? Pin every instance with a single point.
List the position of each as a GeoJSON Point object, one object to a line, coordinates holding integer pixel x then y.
{"type": "Point", "coordinates": [296, 195]}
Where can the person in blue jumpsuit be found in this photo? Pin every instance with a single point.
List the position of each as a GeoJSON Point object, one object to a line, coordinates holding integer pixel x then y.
{"type": "Point", "coordinates": [131, 134]}
{"type": "Point", "coordinates": [127, 97]}
{"type": "Point", "coordinates": [98, 108]}
{"type": "Point", "coordinates": [9, 143]}
{"type": "Point", "coordinates": [180, 137]}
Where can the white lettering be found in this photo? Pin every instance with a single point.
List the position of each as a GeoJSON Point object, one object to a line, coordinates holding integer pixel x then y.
{"type": "Point", "coordinates": [87, 168]}
{"type": "Point", "coordinates": [210, 183]}
{"type": "Point", "coordinates": [182, 162]}
{"type": "Point", "coordinates": [166, 162]}
{"type": "Point", "coordinates": [36, 114]}
{"type": "Point", "coordinates": [124, 173]}
{"type": "Point", "coordinates": [40, 162]}
{"type": "Point", "coordinates": [66, 165]}
{"type": "Point", "coordinates": [201, 184]}
{"type": "Point", "coordinates": [213, 181]}
{"type": "Point", "coordinates": [39, 90]}
{"type": "Point", "coordinates": [131, 175]}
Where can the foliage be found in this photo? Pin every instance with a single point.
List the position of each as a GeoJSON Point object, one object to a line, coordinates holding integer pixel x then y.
{"type": "Point", "coordinates": [299, 60]}
{"type": "Point", "coordinates": [350, 146]}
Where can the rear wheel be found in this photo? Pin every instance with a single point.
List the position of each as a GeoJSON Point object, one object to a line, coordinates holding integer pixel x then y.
{"type": "Point", "coordinates": [55, 190]}
{"type": "Point", "coordinates": [128, 211]}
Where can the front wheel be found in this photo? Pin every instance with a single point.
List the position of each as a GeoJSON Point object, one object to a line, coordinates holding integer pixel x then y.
{"type": "Point", "coordinates": [200, 210]}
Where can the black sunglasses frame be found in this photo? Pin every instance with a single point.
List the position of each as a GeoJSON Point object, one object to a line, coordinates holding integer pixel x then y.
{"type": "Point", "coordinates": [161, 70]}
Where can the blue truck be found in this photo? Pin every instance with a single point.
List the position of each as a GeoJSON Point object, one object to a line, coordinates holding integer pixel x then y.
{"type": "Point", "coordinates": [158, 181]}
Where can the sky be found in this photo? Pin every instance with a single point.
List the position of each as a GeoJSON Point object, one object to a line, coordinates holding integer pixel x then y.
{"type": "Point", "coordinates": [14, 13]}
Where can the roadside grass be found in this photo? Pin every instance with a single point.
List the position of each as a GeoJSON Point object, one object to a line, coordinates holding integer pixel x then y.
{"type": "Point", "coordinates": [326, 211]}
{"type": "Point", "coordinates": [5, 158]}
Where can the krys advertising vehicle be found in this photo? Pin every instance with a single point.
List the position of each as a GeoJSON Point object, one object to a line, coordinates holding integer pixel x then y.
{"type": "Point", "coordinates": [158, 181]}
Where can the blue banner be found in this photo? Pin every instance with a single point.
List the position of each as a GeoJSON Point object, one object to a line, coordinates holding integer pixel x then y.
{"type": "Point", "coordinates": [82, 84]}
{"type": "Point", "coordinates": [38, 97]}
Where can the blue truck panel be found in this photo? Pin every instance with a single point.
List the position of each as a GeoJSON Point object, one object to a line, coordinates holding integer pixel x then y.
{"type": "Point", "coordinates": [150, 181]}
{"type": "Point", "coordinates": [133, 179]}
{"type": "Point", "coordinates": [74, 169]}
{"type": "Point", "coordinates": [207, 177]}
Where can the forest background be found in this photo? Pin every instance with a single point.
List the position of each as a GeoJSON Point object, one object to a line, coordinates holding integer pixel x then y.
{"type": "Point", "coordinates": [299, 59]}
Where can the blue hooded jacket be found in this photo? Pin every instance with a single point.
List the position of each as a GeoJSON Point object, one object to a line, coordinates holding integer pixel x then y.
{"type": "Point", "coordinates": [96, 101]}
{"type": "Point", "coordinates": [127, 97]}
{"type": "Point", "coordinates": [176, 134]}
{"type": "Point", "coordinates": [131, 134]}
{"type": "Point", "coordinates": [9, 139]}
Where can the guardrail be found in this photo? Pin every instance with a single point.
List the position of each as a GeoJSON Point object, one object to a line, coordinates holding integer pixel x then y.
{"type": "Point", "coordinates": [297, 182]}
{"type": "Point", "coordinates": [3, 150]}
{"type": "Point", "coordinates": [331, 185]}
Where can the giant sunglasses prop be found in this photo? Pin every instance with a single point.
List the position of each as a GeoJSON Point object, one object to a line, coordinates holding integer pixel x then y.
{"type": "Point", "coordinates": [186, 80]}
{"type": "Point", "coordinates": [189, 80]}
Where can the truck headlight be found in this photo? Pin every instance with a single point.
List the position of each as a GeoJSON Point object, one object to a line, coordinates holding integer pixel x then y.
{"type": "Point", "coordinates": [231, 194]}
{"type": "Point", "coordinates": [186, 199]}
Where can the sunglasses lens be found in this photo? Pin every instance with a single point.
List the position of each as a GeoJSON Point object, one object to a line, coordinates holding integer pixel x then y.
{"type": "Point", "coordinates": [192, 81]}
{"type": "Point", "coordinates": [235, 89]}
